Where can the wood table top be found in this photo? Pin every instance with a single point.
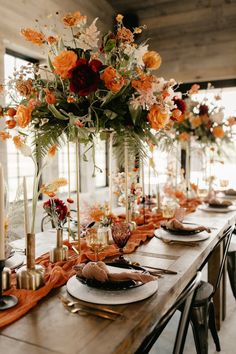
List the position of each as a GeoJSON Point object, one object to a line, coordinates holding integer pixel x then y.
{"type": "Point", "coordinates": [50, 328]}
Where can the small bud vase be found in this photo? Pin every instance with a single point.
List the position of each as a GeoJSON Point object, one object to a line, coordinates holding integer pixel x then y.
{"type": "Point", "coordinates": [60, 252]}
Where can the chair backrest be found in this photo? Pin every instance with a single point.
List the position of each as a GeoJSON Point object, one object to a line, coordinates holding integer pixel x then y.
{"type": "Point", "coordinates": [225, 240]}
{"type": "Point", "coordinates": [185, 299]}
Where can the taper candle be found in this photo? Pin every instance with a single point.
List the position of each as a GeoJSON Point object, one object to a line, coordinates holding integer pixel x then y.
{"type": "Point", "coordinates": [69, 188]}
{"type": "Point", "coordinates": [143, 186]}
{"type": "Point", "coordinates": [2, 216]}
{"type": "Point", "coordinates": [77, 159]}
{"type": "Point", "coordinates": [26, 208]}
{"type": "Point", "coordinates": [110, 171]}
{"type": "Point", "coordinates": [126, 183]}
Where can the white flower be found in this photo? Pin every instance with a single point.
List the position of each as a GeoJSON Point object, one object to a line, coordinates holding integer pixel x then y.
{"type": "Point", "coordinates": [88, 37]}
{"type": "Point", "coordinates": [217, 117]}
{"type": "Point", "coordinates": [139, 52]}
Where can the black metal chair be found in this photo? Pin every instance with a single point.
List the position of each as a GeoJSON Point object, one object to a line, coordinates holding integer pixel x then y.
{"type": "Point", "coordinates": [202, 314]}
{"type": "Point", "coordinates": [231, 265]}
{"type": "Point", "coordinates": [185, 300]}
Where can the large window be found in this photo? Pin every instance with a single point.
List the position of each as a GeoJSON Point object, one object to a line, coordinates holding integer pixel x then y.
{"type": "Point", "coordinates": [224, 167]}
{"type": "Point", "coordinates": [17, 165]}
{"type": "Point", "coordinates": [63, 166]}
{"type": "Point", "coordinates": [101, 162]}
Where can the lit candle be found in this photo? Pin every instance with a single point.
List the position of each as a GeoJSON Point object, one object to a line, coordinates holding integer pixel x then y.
{"type": "Point", "coordinates": [2, 216]}
{"type": "Point", "coordinates": [26, 208]}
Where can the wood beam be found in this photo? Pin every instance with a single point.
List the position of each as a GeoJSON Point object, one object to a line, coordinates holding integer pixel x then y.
{"type": "Point", "coordinates": [193, 17]}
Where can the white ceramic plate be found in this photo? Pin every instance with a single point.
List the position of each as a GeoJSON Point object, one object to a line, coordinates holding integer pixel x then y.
{"type": "Point", "coordinates": [110, 297]}
{"type": "Point", "coordinates": [162, 234]}
{"type": "Point", "coordinates": [15, 261]}
{"type": "Point", "coordinates": [208, 209]}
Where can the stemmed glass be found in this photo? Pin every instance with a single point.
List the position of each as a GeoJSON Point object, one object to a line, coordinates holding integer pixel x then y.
{"type": "Point", "coordinates": [96, 241]}
{"type": "Point", "coordinates": [121, 234]}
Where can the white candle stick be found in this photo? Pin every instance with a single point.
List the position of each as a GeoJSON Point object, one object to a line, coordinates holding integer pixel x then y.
{"type": "Point", "coordinates": [69, 187]}
{"type": "Point", "coordinates": [126, 183]}
{"type": "Point", "coordinates": [26, 208]}
{"type": "Point", "coordinates": [110, 171]}
{"type": "Point", "coordinates": [77, 192]}
{"type": "Point", "coordinates": [143, 187]}
{"type": "Point", "coordinates": [2, 216]}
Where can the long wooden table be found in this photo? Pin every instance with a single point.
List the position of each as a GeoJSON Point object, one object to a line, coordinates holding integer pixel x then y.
{"type": "Point", "coordinates": [50, 328]}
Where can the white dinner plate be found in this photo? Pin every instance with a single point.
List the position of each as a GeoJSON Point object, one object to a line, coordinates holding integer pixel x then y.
{"type": "Point", "coordinates": [208, 209]}
{"type": "Point", "coordinates": [165, 235]}
{"type": "Point", "coordinates": [15, 261]}
{"type": "Point", "coordinates": [110, 297]}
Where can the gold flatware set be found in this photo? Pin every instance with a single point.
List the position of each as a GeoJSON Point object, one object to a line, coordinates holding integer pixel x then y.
{"type": "Point", "coordinates": [81, 308]}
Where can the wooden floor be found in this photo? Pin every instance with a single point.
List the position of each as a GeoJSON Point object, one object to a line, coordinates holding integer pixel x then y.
{"type": "Point", "coordinates": [226, 334]}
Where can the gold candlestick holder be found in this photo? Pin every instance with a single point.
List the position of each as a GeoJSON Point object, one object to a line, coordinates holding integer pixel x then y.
{"type": "Point", "coordinates": [6, 279]}
{"type": "Point", "coordinates": [6, 301]}
{"type": "Point", "coordinates": [60, 252]}
{"type": "Point", "coordinates": [30, 277]}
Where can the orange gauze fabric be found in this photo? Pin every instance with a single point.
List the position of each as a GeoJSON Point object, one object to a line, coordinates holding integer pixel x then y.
{"type": "Point", "coordinates": [58, 273]}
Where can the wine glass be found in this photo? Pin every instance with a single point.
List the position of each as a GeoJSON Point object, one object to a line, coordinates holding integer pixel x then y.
{"type": "Point", "coordinates": [121, 234]}
{"type": "Point", "coordinates": [96, 241]}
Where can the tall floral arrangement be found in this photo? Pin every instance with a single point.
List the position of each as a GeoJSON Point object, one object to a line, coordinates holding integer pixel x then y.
{"type": "Point", "coordinates": [92, 83]}
{"type": "Point", "coordinates": [202, 119]}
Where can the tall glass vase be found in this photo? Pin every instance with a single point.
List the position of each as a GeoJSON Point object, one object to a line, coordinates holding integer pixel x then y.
{"type": "Point", "coordinates": [186, 163]}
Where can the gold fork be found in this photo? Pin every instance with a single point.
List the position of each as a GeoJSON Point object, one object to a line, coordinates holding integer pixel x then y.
{"type": "Point", "coordinates": [89, 306]}
{"type": "Point", "coordinates": [86, 311]}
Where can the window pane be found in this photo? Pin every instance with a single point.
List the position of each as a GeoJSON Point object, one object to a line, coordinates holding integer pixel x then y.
{"type": "Point", "coordinates": [101, 162]}
{"type": "Point", "coordinates": [17, 165]}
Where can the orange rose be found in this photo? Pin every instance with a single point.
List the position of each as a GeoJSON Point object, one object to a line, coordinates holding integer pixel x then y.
{"type": "Point", "coordinates": [125, 35]}
{"type": "Point", "coordinates": [23, 115]}
{"type": "Point", "coordinates": [51, 40]}
{"type": "Point", "coordinates": [72, 19]}
{"type": "Point", "coordinates": [218, 132]}
{"type": "Point", "coordinates": [65, 62]}
{"type": "Point", "coordinates": [176, 114]}
{"type": "Point", "coordinates": [143, 83]}
{"type": "Point", "coordinates": [4, 135]}
{"type": "Point", "coordinates": [157, 117]}
{"type": "Point", "coordinates": [52, 150]}
{"type": "Point", "coordinates": [33, 36]}
{"type": "Point", "coordinates": [231, 121]}
{"type": "Point", "coordinates": [11, 112]}
{"type": "Point", "coordinates": [112, 79]}
{"type": "Point", "coordinates": [184, 136]}
{"type": "Point", "coordinates": [195, 122]}
{"type": "Point", "coordinates": [17, 140]}
{"type": "Point", "coordinates": [205, 118]}
{"type": "Point", "coordinates": [194, 89]}
{"type": "Point", "coordinates": [152, 60]}
{"type": "Point", "coordinates": [49, 97]}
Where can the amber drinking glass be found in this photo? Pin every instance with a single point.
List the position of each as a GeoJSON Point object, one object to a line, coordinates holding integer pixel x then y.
{"type": "Point", "coordinates": [121, 234]}
{"type": "Point", "coordinates": [96, 241]}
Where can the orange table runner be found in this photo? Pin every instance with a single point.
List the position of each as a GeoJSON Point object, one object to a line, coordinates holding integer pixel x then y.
{"type": "Point", "coordinates": [58, 273]}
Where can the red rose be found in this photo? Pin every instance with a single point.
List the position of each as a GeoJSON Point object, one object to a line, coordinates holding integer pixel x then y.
{"type": "Point", "coordinates": [84, 78]}
{"type": "Point", "coordinates": [181, 105]}
{"type": "Point", "coordinates": [59, 207]}
{"type": "Point", "coordinates": [203, 109]}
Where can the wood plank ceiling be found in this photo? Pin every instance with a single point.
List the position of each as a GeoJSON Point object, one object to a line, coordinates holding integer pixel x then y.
{"type": "Point", "coordinates": [196, 38]}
